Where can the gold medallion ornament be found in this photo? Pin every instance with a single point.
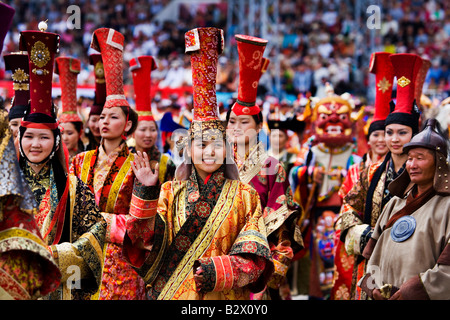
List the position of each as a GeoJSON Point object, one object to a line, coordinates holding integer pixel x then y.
{"type": "Point", "coordinates": [19, 75]}
{"type": "Point", "coordinates": [383, 85]}
{"type": "Point", "coordinates": [40, 55]}
{"type": "Point", "coordinates": [403, 81]}
{"type": "Point", "coordinates": [99, 72]}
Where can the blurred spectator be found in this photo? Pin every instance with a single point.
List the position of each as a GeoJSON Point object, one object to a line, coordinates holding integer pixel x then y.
{"type": "Point", "coordinates": [321, 41]}
{"type": "Point", "coordinates": [302, 78]}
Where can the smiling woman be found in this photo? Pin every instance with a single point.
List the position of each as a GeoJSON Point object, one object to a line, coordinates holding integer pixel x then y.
{"type": "Point", "coordinates": [203, 228]}
{"type": "Point", "coordinates": [37, 145]}
{"type": "Point", "coordinates": [71, 226]}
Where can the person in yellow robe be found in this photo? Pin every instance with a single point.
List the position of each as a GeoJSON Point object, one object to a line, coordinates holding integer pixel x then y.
{"type": "Point", "coordinates": [201, 236]}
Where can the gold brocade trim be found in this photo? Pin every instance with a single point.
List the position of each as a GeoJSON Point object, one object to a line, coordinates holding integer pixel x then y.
{"type": "Point", "coordinates": [21, 86]}
{"type": "Point", "coordinates": [181, 207]}
{"type": "Point", "coordinates": [72, 193]}
{"type": "Point", "coordinates": [203, 241]}
{"type": "Point", "coordinates": [377, 199]}
{"type": "Point", "coordinates": [252, 165]}
{"type": "Point", "coordinates": [277, 219]}
{"type": "Point", "coordinates": [20, 233]}
{"type": "Point", "coordinates": [15, 290]}
{"type": "Point", "coordinates": [93, 241]}
{"type": "Point", "coordinates": [179, 196]}
{"type": "Point", "coordinates": [96, 295]}
{"type": "Point", "coordinates": [5, 132]}
{"type": "Point", "coordinates": [152, 272]}
{"type": "Point", "coordinates": [163, 167]}
{"type": "Point", "coordinates": [86, 167]}
{"type": "Point", "coordinates": [118, 181]}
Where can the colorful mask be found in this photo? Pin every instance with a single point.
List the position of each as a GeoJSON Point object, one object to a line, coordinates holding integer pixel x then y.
{"type": "Point", "coordinates": [333, 122]}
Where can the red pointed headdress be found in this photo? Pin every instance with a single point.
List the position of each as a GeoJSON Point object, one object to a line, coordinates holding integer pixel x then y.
{"type": "Point", "coordinates": [41, 47]}
{"type": "Point", "coordinates": [68, 69]}
{"type": "Point", "coordinates": [141, 69]}
{"type": "Point", "coordinates": [109, 43]}
{"type": "Point", "coordinates": [381, 66]}
{"type": "Point", "coordinates": [405, 111]}
{"type": "Point", "coordinates": [251, 67]}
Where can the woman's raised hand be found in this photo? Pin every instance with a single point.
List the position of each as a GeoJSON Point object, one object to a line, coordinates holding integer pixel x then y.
{"type": "Point", "coordinates": [143, 171]}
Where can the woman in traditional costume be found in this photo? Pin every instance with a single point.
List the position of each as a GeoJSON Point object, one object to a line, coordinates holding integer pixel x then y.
{"type": "Point", "coordinates": [257, 168]}
{"type": "Point", "coordinates": [71, 123]}
{"type": "Point", "coordinates": [381, 66]}
{"type": "Point", "coordinates": [27, 268]}
{"type": "Point", "coordinates": [68, 218]}
{"type": "Point", "coordinates": [146, 133]}
{"type": "Point", "coordinates": [202, 235]}
{"type": "Point", "coordinates": [107, 171]}
{"type": "Point", "coordinates": [364, 202]}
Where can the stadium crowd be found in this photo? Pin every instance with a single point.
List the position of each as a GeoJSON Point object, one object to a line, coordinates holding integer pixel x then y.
{"type": "Point", "coordinates": [318, 40]}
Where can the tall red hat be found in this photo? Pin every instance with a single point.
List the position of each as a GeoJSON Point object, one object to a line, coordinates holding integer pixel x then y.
{"type": "Point", "coordinates": [141, 69]}
{"type": "Point", "coordinates": [204, 46]}
{"type": "Point", "coordinates": [7, 14]}
{"type": "Point", "coordinates": [381, 66]}
{"type": "Point", "coordinates": [17, 63]}
{"type": "Point", "coordinates": [68, 69]}
{"type": "Point", "coordinates": [109, 43]}
{"type": "Point", "coordinates": [250, 50]}
{"type": "Point", "coordinates": [41, 47]}
{"type": "Point", "coordinates": [426, 64]}
{"type": "Point", "coordinates": [404, 111]}
{"type": "Point", "coordinates": [95, 59]}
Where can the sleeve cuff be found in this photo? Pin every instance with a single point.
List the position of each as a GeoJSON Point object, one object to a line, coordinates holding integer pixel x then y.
{"type": "Point", "coordinates": [144, 201]}
{"type": "Point", "coordinates": [217, 273]}
{"type": "Point", "coordinates": [413, 289]}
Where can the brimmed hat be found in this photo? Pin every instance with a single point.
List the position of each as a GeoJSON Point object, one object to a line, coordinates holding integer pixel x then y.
{"type": "Point", "coordinates": [292, 124]}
